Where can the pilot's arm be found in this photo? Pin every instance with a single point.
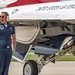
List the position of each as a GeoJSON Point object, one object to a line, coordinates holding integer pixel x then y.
{"type": "Point", "coordinates": [14, 43]}
{"type": "Point", "coordinates": [13, 40]}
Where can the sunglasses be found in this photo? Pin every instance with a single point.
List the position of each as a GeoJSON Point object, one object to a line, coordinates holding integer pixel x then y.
{"type": "Point", "coordinates": [1, 16]}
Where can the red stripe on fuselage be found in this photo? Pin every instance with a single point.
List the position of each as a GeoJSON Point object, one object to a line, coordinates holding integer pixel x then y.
{"type": "Point", "coordinates": [26, 2]}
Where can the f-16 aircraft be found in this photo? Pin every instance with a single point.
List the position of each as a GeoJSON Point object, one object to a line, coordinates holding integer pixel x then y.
{"type": "Point", "coordinates": [43, 27]}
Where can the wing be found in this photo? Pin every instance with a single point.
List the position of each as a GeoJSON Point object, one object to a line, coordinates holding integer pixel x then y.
{"type": "Point", "coordinates": [64, 11]}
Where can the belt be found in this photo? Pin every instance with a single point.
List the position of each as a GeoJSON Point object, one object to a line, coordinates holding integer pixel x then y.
{"type": "Point", "coordinates": [6, 46]}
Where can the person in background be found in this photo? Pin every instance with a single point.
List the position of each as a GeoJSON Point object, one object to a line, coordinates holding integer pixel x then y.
{"type": "Point", "coordinates": [7, 43]}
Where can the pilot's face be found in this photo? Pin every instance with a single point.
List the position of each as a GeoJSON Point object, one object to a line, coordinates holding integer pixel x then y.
{"type": "Point", "coordinates": [3, 18]}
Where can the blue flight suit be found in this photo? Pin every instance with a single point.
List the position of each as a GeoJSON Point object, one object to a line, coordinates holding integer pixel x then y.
{"type": "Point", "coordinates": [5, 47]}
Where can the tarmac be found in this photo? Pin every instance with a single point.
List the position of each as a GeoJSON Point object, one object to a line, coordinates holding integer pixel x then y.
{"type": "Point", "coordinates": [59, 68]}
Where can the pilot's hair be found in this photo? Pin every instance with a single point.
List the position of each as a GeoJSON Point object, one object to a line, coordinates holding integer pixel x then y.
{"type": "Point", "coordinates": [5, 13]}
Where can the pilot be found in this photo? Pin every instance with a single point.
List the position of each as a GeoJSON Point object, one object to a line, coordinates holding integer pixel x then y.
{"type": "Point", "coordinates": [7, 43]}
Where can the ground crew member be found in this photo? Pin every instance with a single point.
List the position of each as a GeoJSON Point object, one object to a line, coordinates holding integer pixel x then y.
{"type": "Point", "coordinates": [7, 32]}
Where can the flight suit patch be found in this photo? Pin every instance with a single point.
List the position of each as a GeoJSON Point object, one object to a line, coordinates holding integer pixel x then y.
{"type": "Point", "coordinates": [1, 27]}
{"type": "Point", "coordinates": [11, 28]}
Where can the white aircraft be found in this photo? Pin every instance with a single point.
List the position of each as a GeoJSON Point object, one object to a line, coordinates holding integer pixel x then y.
{"type": "Point", "coordinates": [46, 28]}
